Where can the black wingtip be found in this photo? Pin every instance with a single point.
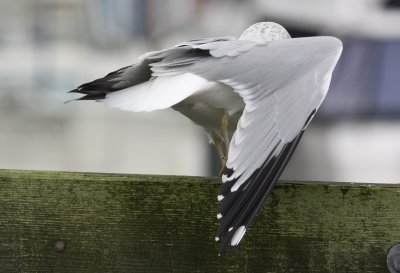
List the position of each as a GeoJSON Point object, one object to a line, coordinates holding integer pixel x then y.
{"type": "Point", "coordinates": [238, 208]}
{"type": "Point", "coordinates": [68, 101]}
{"type": "Point", "coordinates": [76, 90]}
{"type": "Point", "coordinates": [85, 97]}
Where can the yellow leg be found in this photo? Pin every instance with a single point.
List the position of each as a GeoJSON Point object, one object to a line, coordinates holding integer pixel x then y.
{"type": "Point", "coordinates": [217, 142]}
{"type": "Point", "coordinates": [223, 154]}
{"type": "Point", "coordinates": [224, 127]}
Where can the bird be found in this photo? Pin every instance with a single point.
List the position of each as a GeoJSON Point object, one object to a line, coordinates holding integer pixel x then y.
{"type": "Point", "coordinates": [254, 95]}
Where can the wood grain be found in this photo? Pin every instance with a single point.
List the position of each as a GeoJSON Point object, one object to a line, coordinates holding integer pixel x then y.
{"type": "Point", "coordinates": [86, 222]}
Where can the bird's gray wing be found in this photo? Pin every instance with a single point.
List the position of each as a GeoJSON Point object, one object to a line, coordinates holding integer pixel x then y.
{"type": "Point", "coordinates": [221, 47]}
{"type": "Point", "coordinates": [282, 84]}
{"type": "Point", "coordinates": [146, 68]}
{"type": "Point", "coordinates": [171, 79]}
{"type": "Point", "coordinates": [178, 59]}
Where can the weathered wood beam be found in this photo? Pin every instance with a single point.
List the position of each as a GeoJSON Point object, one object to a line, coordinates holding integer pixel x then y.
{"type": "Point", "coordinates": [86, 222]}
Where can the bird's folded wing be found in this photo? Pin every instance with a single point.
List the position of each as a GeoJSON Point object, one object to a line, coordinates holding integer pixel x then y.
{"type": "Point", "coordinates": [171, 81]}
{"type": "Point", "coordinates": [282, 84]}
{"type": "Point", "coordinates": [161, 79]}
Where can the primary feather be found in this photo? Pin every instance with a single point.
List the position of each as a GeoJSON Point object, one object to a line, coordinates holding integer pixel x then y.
{"type": "Point", "coordinates": [269, 84]}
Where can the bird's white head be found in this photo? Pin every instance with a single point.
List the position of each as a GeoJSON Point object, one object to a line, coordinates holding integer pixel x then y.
{"type": "Point", "coordinates": [265, 32]}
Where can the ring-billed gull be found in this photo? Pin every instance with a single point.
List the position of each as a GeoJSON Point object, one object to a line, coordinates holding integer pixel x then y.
{"type": "Point", "coordinates": [254, 96]}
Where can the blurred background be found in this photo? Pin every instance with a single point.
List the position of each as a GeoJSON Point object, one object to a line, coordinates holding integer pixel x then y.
{"type": "Point", "coordinates": [48, 47]}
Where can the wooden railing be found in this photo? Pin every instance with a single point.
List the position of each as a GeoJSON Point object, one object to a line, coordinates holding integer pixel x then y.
{"type": "Point", "coordinates": [87, 222]}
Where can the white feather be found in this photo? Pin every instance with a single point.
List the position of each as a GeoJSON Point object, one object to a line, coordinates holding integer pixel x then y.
{"type": "Point", "coordinates": [157, 93]}
{"type": "Point", "coordinates": [238, 235]}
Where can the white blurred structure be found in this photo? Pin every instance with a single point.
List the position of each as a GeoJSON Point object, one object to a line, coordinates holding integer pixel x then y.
{"type": "Point", "coordinates": [355, 18]}
{"type": "Point", "coordinates": [49, 47]}
{"type": "Point", "coordinates": [348, 151]}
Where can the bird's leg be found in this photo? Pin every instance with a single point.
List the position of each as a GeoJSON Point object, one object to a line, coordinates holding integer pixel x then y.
{"type": "Point", "coordinates": [225, 136]}
{"type": "Point", "coordinates": [224, 127]}
{"type": "Point", "coordinates": [217, 142]}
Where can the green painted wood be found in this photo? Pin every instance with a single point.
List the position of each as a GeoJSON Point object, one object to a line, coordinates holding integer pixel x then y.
{"type": "Point", "coordinates": [135, 223]}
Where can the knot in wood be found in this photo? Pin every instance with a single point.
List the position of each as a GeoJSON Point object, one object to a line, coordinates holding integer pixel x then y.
{"type": "Point", "coordinates": [59, 246]}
